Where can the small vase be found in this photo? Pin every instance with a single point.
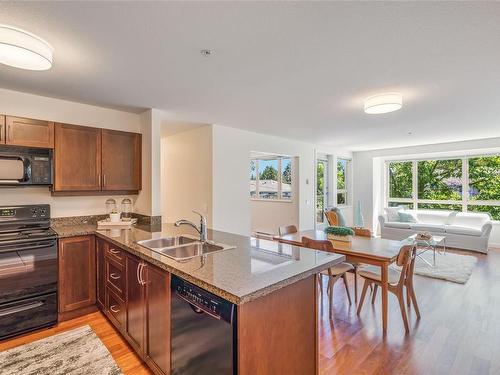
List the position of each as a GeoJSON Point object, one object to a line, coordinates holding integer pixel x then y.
{"type": "Point", "coordinates": [114, 217]}
{"type": "Point", "coordinates": [334, 237]}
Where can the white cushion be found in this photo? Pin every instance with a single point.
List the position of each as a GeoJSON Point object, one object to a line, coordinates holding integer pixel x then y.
{"type": "Point", "coordinates": [469, 219]}
{"type": "Point", "coordinates": [396, 224]}
{"type": "Point", "coordinates": [392, 213]}
{"type": "Point", "coordinates": [433, 217]}
{"type": "Point", "coordinates": [468, 231]}
{"type": "Point", "coordinates": [339, 269]}
{"type": "Point", "coordinates": [424, 227]}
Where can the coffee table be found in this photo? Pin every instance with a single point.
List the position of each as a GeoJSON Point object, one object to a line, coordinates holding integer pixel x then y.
{"type": "Point", "coordinates": [430, 245]}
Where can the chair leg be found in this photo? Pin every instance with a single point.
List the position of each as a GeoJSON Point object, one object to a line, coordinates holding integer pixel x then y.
{"type": "Point", "coordinates": [320, 283]}
{"type": "Point", "coordinates": [346, 285]}
{"type": "Point", "coordinates": [402, 306]}
{"type": "Point", "coordinates": [356, 284]}
{"type": "Point", "coordinates": [374, 295]}
{"type": "Point", "coordinates": [414, 300]}
{"type": "Point", "coordinates": [363, 294]}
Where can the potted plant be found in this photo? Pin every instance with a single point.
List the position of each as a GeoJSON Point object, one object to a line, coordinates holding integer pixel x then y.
{"type": "Point", "coordinates": [339, 233]}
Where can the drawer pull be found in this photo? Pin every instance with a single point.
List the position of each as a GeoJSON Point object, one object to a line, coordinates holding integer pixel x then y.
{"type": "Point", "coordinates": [113, 251]}
{"type": "Point", "coordinates": [114, 309]}
{"type": "Point", "coordinates": [115, 276]}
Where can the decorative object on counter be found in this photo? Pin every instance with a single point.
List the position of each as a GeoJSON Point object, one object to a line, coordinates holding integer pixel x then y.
{"type": "Point", "coordinates": [359, 221]}
{"type": "Point", "coordinates": [126, 209]}
{"type": "Point", "coordinates": [120, 224]}
{"type": "Point", "coordinates": [339, 233]}
{"type": "Point", "coordinates": [111, 208]}
{"type": "Point", "coordinates": [63, 353]}
{"type": "Point", "coordinates": [114, 217]}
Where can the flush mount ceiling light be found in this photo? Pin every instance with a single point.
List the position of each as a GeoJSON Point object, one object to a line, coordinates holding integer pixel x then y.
{"type": "Point", "coordinates": [383, 103]}
{"type": "Point", "coordinates": [21, 49]}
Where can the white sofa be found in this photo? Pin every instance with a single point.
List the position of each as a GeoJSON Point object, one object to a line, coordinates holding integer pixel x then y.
{"type": "Point", "coordinates": [463, 230]}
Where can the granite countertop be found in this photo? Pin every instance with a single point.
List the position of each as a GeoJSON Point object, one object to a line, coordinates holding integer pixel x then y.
{"type": "Point", "coordinates": [252, 269]}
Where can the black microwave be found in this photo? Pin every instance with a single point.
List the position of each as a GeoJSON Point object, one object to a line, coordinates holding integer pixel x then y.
{"type": "Point", "coordinates": [20, 166]}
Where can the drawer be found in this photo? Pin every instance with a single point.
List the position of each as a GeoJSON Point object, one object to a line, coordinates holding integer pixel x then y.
{"type": "Point", "coordinates": [115, 253]}
{"type": "Point", "coordinates": [115, 309]}
{"type": "Point", "coordinates": [115, 278]}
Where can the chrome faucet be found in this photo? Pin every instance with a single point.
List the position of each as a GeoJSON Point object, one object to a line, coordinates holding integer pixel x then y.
{"type": "Point", "coordinates": [203, 226]}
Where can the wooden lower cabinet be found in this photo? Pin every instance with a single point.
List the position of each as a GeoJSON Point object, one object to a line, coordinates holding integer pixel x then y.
{"type": "Point", "coordinates": [157, 348]}
{"type": "Point", "coordinates": [101, 247]}
{"type": "Point", "coordinates": [142, 313]}
{"type": "Point", "coordinates": [77, 276]}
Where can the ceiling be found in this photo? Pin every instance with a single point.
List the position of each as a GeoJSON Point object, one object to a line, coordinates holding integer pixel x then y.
{"type": "Point", "coordinates": [298, 70]}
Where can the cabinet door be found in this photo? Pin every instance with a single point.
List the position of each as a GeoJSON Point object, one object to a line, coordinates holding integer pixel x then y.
{"type": "Point", "coordinates": [77, 158]}
{"type": "Point", "coordinates": [2, 129]}
{"type": "Point", "coordinates": [121, 160]}
{"type": "Point", "coordinates": [135, 303]}
{"type": "Point", "coordinates": [77, 273]}
{"type": "Point", "coordinates": [29, 132]}
{"type": "Point", "coordinates": [101, 276]}
{"type": "Point", "coordinates": [157, 346]}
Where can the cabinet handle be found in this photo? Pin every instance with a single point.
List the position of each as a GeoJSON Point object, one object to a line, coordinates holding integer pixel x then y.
{"type": "Point", "coordinates": [103, 180]}
{"type": "Point", "coordinates": [142, 269]}
{"type": "Point", "coordinates": [113, 251]}
{"type": "Point", "coordinates": [9, 132]}
{"type": "Point", "coordinates": [114, 309]}
{"type": "Point", "coordinates": [100, 180]}
{"type": "Point", "coordinates": [114, 276]}
{"type": "Point", "coordinates": [138, 273]}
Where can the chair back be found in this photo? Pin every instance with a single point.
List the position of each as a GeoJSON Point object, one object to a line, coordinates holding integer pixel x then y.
{"type": "Point", "coordinates": [332, 218]}
{"type": "Point", "coordinates": [406, 260]}
{"type": "Point", "coordinates": [362, 232]}
{"type": "Point", "coordinates": [287, 229]}
{"type": "Point", "coordinates": [323, 245]}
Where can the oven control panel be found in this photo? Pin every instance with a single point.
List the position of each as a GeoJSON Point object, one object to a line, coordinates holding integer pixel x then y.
{"type": "Point", "coordinates": [7, 212]}
{"type": "Point", "coordinates": [16, 213]}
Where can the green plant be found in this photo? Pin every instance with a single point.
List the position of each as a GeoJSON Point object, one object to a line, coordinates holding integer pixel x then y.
{"type": "Point", "coordinates": [339, 231]}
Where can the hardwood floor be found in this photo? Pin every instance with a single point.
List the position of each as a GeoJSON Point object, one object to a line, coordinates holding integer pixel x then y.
{"type": "Point", "coordinates": [459, 332]}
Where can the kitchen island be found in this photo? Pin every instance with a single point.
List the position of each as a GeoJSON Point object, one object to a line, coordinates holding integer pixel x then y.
{"type": "Point", "coordinates": [273, 287]}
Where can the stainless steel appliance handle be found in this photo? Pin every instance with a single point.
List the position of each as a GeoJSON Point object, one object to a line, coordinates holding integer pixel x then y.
{"type": "Point", "coordinates": [114, 276]}
{"type": "Point", "coordinates": [9, 182]}
{"type": "Point", "coordinates": [16, 309]}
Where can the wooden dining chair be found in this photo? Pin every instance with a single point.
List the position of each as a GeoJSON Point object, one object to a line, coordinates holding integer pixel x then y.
{"type": "Point", "coordinates": [361, 232]}
{"type": "Point", "coordinates": [334, 273]}
{"type": "Point", "coordinates": [397, 280]}
{"type": "Point", "coordinates": [287, 229]}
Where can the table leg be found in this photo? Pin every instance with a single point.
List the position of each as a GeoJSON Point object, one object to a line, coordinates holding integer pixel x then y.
{"type": "Point", "coordinates": [385, 290]}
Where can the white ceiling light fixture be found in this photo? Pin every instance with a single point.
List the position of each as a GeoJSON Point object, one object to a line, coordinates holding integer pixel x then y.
{"type": "Point", "coordinates": [24, 50]}
{"type": "Point", "coordinates": [383, 103]}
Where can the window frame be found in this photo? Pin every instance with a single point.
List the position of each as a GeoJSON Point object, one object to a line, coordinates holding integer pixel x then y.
{"type": "Point", "coordinates": [280, 179]}
{"type": "Point", "coordinates": [347, 184]}
{"type": "Point", "coordinates": [414, 201]}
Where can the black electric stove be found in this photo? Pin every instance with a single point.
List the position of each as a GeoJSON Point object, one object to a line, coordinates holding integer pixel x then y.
{"type": "Point", "coordinates": [28, 269]}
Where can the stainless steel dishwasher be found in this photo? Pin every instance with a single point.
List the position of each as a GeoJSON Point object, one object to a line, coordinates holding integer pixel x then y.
{"type": "Point", "coordinates": [203, 331]}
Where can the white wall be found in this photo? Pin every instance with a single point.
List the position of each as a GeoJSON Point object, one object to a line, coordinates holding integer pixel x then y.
{"type": "Point", "coordinates": [186, 175]}
{"type": "Point", "coordinates": [268, 215]}
{"type": "Point", "coordinates": [368, 173]}
{"type": "Point", "coordinates": [39, 107]}
{"type": "Point", "coordinates": [231, 151]}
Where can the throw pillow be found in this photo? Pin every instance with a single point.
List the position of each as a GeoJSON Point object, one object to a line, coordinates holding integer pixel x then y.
{"type": "Point", "coordinates": [392, 213]}
{"type": "Point", "coordinates": [405, 217]}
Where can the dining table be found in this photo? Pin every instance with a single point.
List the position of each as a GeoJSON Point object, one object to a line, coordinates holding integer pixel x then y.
{"type": "Point", "coordinates": [367, 250]}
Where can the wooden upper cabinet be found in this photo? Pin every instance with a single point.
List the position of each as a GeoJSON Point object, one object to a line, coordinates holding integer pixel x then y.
{"type": "Point", "coordinates": [28, 132]}
{"type": "Point", "coordinates": [121, 160]}
{"type": "Point", "coordinates": [2, 129]}
{"type": "Point", "coordinates": [77, 158]}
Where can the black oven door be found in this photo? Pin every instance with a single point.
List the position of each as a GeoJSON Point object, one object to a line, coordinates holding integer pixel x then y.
{"type": "Point", "coordinates": [28, 286]}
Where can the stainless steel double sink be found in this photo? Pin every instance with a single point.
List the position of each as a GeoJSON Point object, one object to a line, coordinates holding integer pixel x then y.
{"type": "Point", "coordinates": [182, 247]}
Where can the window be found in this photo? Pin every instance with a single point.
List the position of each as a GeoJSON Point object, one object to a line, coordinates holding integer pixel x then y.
{"type": "Point", "coordinates": [321, 189]}
{"type": "Point", "coordinates": [271, 178]}
{"type": "Point", "coordinates": [459, 184]}
{"type": "Point", "coordinates": [343, 170]}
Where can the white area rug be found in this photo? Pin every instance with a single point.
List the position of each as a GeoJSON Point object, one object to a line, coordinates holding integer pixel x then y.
{"type": "Point", "coordinates": [451, 267]}
{"type": "Point", "coordinates": [78, 351]}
